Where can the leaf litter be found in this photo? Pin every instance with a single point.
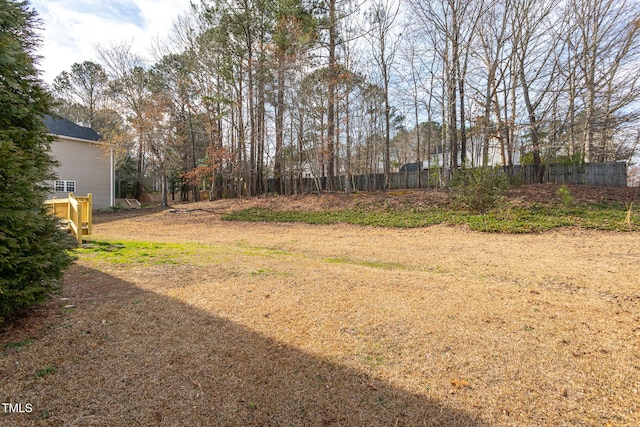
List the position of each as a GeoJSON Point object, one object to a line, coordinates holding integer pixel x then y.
{"type": "Point", "coordinates": [255, 326]}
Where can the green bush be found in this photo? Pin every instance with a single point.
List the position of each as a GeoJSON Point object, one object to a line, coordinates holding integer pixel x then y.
{"type": "Point", "coordinates": [479, 189]}
{"type": "Point", "coordinates": [564, 194]}
{"type": "Point", "coordinates": [32, 248]}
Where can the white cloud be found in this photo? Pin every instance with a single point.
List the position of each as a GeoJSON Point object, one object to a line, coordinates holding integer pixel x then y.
{"type": "Point", "coordinates": [72, 28]}
{"type": "Point", "coordinates": [161, 14]}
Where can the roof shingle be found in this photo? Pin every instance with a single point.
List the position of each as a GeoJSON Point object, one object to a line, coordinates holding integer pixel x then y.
{"type": "Point", "coordinates": [64, 127]}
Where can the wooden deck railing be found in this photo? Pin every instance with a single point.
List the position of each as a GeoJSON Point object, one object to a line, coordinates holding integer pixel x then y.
{"type": "Point", "coordinates": [76, 211]}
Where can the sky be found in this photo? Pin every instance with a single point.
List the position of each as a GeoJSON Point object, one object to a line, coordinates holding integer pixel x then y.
{"type": "Point", "coordinates": [72, 28]}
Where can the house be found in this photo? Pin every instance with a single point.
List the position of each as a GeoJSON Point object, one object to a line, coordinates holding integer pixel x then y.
{"type": "Point", "coordinates": [474, 157]}
{"type": "Point", "coordinates": [85, 164]}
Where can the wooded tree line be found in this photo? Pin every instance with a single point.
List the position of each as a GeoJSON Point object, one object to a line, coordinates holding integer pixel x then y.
{"type": "Point", "coordinates": [245, 90]}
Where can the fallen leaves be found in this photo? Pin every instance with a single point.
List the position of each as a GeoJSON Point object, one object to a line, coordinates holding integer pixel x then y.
{"type": "Point", "coordinates": [459, 384]}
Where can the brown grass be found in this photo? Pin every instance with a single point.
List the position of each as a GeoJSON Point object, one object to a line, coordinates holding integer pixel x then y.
{"type": "Point", "coordinates": [291, 325]}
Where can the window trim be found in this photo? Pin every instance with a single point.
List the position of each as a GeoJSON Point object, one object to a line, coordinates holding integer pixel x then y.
{"type": "Point", "coordinates": [64, 186]}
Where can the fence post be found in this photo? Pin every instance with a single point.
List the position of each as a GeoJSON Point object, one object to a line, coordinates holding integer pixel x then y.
{"type": "Point", "coordinates": [69, 211]}
{"type": "Point", "coordinates": [89, 213]}
{"type": "Point", "coordinates": [75, 216]}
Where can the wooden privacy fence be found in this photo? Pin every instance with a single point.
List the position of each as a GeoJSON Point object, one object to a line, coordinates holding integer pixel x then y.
{"type": "Point", "coordinates": [76, 211]}
{"type": "Point", "coordinates": [612, 174]}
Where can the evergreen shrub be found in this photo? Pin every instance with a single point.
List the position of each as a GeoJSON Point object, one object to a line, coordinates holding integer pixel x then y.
{"type": "Point", "coordinates": [33, 250]}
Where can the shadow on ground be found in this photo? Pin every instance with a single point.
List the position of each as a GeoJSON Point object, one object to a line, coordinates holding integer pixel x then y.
{"type": "Point", "coordinates": [102, 217]}
{"type": "Point", "coordinates": [126, 356]}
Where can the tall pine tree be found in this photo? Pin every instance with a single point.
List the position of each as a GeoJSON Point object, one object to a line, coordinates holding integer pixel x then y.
{"type": "Point", "coordinates": [32, 248]}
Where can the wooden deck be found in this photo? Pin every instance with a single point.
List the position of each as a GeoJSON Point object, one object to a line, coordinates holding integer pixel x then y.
{"type": "Point", "coordinates": [77, 211]}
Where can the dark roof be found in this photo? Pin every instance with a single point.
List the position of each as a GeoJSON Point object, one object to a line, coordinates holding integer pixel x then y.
{"type": "Point", "coordinates": [410, 167]}
{"type": "Point", "coordinates": [64, 127]}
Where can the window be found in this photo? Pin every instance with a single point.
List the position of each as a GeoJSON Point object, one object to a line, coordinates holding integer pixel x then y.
{"type": "Point", "coordinates": [64, 186]}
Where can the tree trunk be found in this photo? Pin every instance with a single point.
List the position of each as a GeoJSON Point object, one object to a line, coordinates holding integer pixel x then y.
{"type": "Point", "coordinates": [331, 89]}
{"type": "Point", "coordinates": [140, 167]}
{"type": "Point", "coordinates": [387, 124]}
{"type": "Point", "coordinates": [277, 172]}
{"type": "Point", "coordinates": [534, 128]}
{"type": "Point", "coordinates": [347, 166]}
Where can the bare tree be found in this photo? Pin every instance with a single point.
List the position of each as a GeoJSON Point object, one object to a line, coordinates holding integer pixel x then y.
{"type": "Point", "coordinates": [535, 51]}
{"type": "Point", "coordinates": [128, 88]}
{"type": "Point", "coordinates": [606, 52]}
{"type": "Point", "coordinates": [293, 33]}
{"type": "Point", "coordinates": [85, 84]}
{"type": "Point", "coordinates": [382, 17]}
{"type": "Point", "coordinates": [493, 36]}
{"type": "Point", "coordinates": [349, 79]}
{"type": "Point", "coordinates": [453, 24]}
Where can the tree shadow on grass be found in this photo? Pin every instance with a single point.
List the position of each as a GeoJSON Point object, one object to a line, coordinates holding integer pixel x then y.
{"type": "Point", "coordinates": [127, 356]}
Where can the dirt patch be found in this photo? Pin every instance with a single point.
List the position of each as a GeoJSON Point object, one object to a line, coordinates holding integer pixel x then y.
{"type": "Point", "coordinates": [292, 324]}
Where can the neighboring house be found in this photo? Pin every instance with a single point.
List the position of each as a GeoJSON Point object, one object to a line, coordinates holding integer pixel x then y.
{"type": "Point", "coordinates": [85, 165]}
{"type": "Point", "coordinates": [473, 158]}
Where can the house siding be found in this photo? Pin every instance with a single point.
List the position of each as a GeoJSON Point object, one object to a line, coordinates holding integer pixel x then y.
{"type": "Point", "coordinates": [88, 164]}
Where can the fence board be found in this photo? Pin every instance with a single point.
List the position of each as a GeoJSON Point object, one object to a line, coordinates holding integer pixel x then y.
{"type": "Point", "coordinates": [613, 174]}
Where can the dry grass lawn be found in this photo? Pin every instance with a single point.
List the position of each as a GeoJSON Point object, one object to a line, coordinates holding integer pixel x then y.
{"type": "Point", "coordinates": [250, 324]}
